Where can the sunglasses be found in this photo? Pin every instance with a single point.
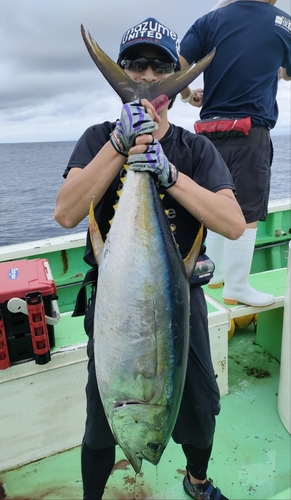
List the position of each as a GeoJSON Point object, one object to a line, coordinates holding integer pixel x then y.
{"type": "Point", "coordinates": [142, 63]}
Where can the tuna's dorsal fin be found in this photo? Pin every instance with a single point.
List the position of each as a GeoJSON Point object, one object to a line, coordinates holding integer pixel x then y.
{"type": "Point", "coordinates": [95, 235]}
{"type": "Point", "coordinates": [191, 259]}
{"type": "Point", "coordinates": [129, 90]}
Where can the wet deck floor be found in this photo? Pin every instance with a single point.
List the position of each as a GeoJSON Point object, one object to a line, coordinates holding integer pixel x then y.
{"type": "Point", "coordinates": [251, 456]}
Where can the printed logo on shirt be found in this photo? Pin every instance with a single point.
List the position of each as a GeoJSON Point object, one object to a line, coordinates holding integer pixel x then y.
{"type": "Point", "coordinates": [283, 22]}
{"type": "Point", "coordinates": [171, 214]}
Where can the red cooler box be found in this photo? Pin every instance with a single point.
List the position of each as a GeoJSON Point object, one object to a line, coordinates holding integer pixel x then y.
{"type": "Point", "coordinates": [28, 311]}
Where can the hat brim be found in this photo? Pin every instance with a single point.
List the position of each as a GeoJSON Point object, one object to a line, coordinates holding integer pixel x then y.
{"type": "Point", "coordinates": [141, 43]}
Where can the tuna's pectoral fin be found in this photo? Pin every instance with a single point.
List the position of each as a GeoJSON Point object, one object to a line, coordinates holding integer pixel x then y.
{"type": "Point", "coordinates": [95, 235]}
{"type": "Point", "coordinates": [129, 90]}
{"type": "Point", "coordinates": [152, 388]}
{"type": "Point", "coordinates": [191, 259]}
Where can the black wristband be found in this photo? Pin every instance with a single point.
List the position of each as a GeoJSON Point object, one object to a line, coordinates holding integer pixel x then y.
{"type": "Point", "coordinates": [173, 176]}
{"type": "Point", "coordinates": [117, 144]}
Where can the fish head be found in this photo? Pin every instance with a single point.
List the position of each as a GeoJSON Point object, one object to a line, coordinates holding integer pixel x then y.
{"type": "Point", "coordinates": [141, 430]}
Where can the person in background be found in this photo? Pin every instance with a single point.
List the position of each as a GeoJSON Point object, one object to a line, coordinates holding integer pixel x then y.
{"type": "Point", "coordinates": [194, 179]}
{"type": "Point", "coordinates": [252, 40]}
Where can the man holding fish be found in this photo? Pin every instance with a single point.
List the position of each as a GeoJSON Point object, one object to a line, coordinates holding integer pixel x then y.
{"type": "Point", "coordinates": [192, 179]}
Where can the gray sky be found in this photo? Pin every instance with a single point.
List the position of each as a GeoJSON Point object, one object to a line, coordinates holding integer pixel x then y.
{"type": "Point", "coordinates": [50, 89]}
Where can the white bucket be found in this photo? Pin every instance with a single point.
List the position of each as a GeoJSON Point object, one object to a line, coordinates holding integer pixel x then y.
{"type": "Point", "coordinates": [284, 393]}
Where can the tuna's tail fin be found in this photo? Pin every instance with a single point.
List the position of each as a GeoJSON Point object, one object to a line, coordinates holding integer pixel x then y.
{"type": "Point", "coordinates": [129, 90]}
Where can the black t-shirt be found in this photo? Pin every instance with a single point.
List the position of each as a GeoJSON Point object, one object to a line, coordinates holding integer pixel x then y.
{"type": "Point", "coordinates": [192, 154]}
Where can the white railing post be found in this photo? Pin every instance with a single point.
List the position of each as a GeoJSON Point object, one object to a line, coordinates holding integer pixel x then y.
{"type": "Point", "coordinates": [284, 393]}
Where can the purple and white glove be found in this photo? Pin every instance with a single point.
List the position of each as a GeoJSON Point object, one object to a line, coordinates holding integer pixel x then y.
{"type": "Point", "coordinates": [134, 121]}
{"type": "Point", "coordinates": [153, 160]}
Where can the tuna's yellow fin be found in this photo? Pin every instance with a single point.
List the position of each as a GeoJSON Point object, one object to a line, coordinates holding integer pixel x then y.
{"type": "Point", "coordinates": [95, 235]}
{"type": "Point", "coordinates": [191, 259]}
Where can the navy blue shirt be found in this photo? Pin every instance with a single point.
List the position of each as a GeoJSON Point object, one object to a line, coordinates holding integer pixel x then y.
{"type": "Point", "coordinates": [192, 154]}
{"type": "Point", "coordinates": [252, 40]}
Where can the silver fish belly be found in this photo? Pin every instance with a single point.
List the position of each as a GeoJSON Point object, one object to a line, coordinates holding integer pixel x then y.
{"type": "Point", "coordinates": [141, 324]}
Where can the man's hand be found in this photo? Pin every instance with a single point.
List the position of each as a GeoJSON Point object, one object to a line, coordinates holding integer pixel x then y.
{"type": "Point", "coordinates": [153, 160]}
{"type": "Point", "coordinates": [192, 96]}
{"type": "Point", "coordinates": [197, 98]}
{"type": "Point", "coordinates": [134, 120]}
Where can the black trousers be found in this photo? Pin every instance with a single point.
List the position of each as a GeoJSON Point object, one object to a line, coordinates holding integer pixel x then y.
{"type": "Point", "coordinates": [249, 159]}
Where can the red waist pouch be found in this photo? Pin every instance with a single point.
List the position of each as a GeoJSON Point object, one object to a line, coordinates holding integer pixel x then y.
{"type": "Point", "coordinates": [219, 128]}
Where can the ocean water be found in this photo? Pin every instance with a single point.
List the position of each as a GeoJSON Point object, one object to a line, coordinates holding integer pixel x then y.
{"type": "Point", "coordinates": [31, 174]}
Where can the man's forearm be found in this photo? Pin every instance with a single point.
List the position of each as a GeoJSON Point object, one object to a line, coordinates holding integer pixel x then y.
{"type": "Point", "coordinates": [86, 184]}
{"type": "Point", "coordinates": [219, 211]}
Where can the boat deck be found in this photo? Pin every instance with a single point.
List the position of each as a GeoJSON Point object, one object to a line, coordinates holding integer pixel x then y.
{"type": "Point", "coordinates": [251, 456]}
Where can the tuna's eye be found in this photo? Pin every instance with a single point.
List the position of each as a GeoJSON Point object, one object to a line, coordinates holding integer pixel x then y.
{"type": "Point", "coordinates": [154, 446]}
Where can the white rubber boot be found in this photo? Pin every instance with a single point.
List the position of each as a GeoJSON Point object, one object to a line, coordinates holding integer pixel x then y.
{"type": "Point", "coordinates": [238, 255]}
{"type": "Point", "coordinates": [215, 250]}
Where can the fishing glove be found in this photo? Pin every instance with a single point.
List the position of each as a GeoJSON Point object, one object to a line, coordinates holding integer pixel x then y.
{"type": "Point", "coordinates": [134, 121]}
{"type": "Point", "coordinates": [153, 160]}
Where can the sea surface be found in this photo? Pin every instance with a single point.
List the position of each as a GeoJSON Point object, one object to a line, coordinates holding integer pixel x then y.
{"type": "Point", "coordinates": [31, 174]}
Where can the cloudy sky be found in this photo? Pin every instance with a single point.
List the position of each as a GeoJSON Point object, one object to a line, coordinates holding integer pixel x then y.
{"type": "Point", "coordinates": [50, 89]}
